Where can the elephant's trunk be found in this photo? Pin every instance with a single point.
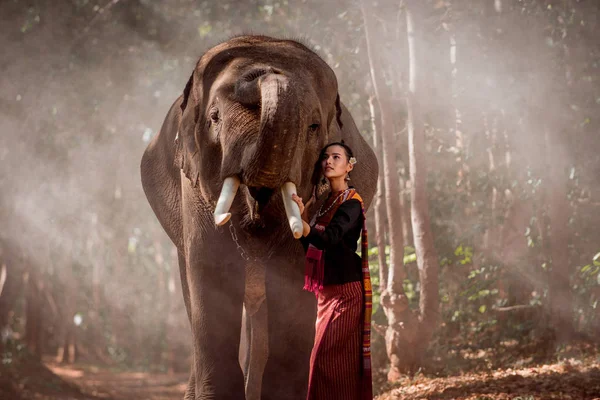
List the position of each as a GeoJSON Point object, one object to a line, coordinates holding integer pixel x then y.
{"type": "Point", "coordinates": [273, 161]}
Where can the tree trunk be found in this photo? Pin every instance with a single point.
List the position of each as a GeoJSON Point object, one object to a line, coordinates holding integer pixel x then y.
{"type": "Point", "coordinates": [66, 334]}
{"type": "Point", "coordinates": [95, 336]}
{"type": "Point", "coordinates": [33, 314]}
{"type": "Point", "coordinates": [557, 125]}
{"type": "Point", "coordinates": [406, 224]}
{"type": "Point", "coordinates": [491, 132]}
{"type": "Point", "coordinates": [66, 351]}
{"type": "Point", "coordinates": [396, 273]}
{"type": "Point", "coordinates": [379, 209]}
{"type": "Point", "coordinates": [427, 259]}
{"type": "Point", "coordinates": [401, 150]}
{"type": "Point", "coordinates": [402, 325]}
{"type": "Point", "coordinates": [116, 310]}
{"type": "Point", "coordinates": [559, 287]}
{"type": "Point", "coordinates": [12, 283]}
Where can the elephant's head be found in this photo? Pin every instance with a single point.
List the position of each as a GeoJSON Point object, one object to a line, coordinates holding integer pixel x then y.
{"type": "Point", "coordinates": [256, 111]}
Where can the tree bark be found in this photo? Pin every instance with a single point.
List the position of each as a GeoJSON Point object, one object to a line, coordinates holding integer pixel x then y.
{"type": "Point", "coordinates": [66, 351]}
{"type": "Point", "coordinates": [10, 292]}
{"type": "Point", "coordinates": [557, 125]}
{"type": "Point", "coordinates": [396, 273]}
{"type": "Point", "coordinates": [94, 335]}
{"type": "Point", "coordinates": [427, 259]}
{"type": "Point", "coordinates": [401, 332]}
{"type": "Point", "coordinates": [33, 314]}
{"type": "Point", "coordinates": [406, 224]}
{"type": "Point", "coordinates": [559, 287]}
{"type": "Point", "coordinates": [379, 210]}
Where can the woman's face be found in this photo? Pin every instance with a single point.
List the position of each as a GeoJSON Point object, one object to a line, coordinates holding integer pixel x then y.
{"type": "Point", "coordinates": [335, 163]}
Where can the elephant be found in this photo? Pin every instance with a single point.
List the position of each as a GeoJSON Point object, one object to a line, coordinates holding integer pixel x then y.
{"type": "Point", "coordinates": [244, 135]}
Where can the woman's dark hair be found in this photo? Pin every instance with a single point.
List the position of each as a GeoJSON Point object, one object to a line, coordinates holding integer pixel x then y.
{"type": "Point", "coordinates": [347, 150]}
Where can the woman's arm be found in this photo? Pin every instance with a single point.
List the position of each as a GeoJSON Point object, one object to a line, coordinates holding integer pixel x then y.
{"type": "Point", "coordinates": [346, 217]}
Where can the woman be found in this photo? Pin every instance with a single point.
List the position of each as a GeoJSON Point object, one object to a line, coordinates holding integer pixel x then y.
{"type": "Point", "coordinates": [340, 362]}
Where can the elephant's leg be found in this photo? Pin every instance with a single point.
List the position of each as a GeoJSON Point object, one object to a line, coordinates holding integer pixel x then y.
{"type": "Point", "coordinates": [291, 330]}
{"type": "Point", "coordinates": [244, 355]}
{"type": "Point", "coordinates": [216, 284]}
{"type": "Point", "coordinates": [190, 391]}
{"type": "Point", "coordinates": [259, 352]}
{"type": "Point", "coordinates": [185, 290]}
{"type": "Point", "coordinates": [255, 339]}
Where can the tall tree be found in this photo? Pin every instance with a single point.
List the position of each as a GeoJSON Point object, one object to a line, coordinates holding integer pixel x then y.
{"type": "Point", "coordinates": [379, 209]}
{"type": "Point", "coordinates": [400, 333]}
{"type": "Point", "coordinates": [427, 259]}
{"type": "Point", "coordinates": [33, 312]}
{"type": "Point", "coordinates": [11, 282]}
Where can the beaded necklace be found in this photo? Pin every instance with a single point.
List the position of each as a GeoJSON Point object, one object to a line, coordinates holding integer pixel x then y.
{"type": "Point", "coordinates": [320, 214]}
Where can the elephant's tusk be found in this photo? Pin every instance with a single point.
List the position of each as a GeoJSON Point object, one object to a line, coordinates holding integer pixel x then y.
{"type": "Point", "coordinates": [230, 187]}
{"type": "Point", "coordinates": [291, 209]}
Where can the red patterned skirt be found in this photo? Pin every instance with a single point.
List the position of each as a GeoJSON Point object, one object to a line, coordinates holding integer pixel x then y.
{"type": "Point", "coordinates": [336, 358]}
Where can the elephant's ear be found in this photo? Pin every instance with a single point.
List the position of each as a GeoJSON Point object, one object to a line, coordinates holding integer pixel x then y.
{"type": "Point", "coordinates": [187, 156]}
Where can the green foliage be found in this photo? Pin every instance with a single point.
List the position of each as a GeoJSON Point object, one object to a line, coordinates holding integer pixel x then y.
{"type": "Point", "coordinates": [465, 254]}
{"type": "Point", "coordinates": [586, 287]}
{"type": "Point", "coordinates": [409, 254]}
{"type": "Point", "coordinates": [410, 288]}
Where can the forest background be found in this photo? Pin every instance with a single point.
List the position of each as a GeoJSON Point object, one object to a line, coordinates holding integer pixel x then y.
{"type": "Point", "coordinates": [485, 119]}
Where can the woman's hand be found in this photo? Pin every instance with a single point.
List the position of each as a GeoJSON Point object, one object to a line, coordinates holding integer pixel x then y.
{"type": "Point", "coordinates": [303, 207]}
{"type": "Point", "coordinates": [298, 201]}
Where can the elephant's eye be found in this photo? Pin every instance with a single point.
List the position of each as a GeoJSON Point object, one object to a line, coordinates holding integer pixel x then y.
{"type": "Point", "coordinates": [214, 115]}
{"type": "Point", "coordinates": [313, 127]}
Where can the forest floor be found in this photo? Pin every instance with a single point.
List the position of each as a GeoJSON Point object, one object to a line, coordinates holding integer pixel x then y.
{"type": "Point", "coordinates": [563, 380]}
{"type": "Point", "coordinates": [574, 376]}
{"type": "Point", "coordinates": [24, 377]}
{"type": "Point", "coordinates": [508, 370]}
{"type": "Point", "coordinates": [99, 383]}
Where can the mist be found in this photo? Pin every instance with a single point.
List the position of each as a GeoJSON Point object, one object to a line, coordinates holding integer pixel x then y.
{"type": "Point", "coordinates": [511, 99]}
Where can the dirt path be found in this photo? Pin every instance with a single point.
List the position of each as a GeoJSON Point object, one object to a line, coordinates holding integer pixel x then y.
{"type": "Point", "coordinates": [119, 385]}
{"type": "Point", "coordinates": [24, 377]}
{"type": "Point", "coordinates": [564, 380]}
